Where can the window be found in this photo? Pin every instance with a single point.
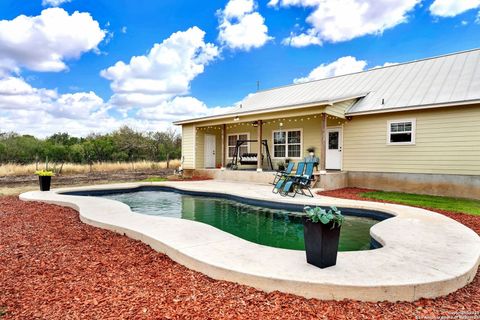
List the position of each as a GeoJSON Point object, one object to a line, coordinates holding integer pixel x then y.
{"type": "Point", "coordinates": [287, 144]}
{"type": "Point", "coordinates": [333, 140]}
{"type": "Point", "coordinates": [401, 132]}
{"type": "Point", "coordinates": [232, 143]}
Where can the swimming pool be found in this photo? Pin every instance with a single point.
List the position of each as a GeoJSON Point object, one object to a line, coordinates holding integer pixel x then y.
{"type": "Point", "coordinates": [264, 225]}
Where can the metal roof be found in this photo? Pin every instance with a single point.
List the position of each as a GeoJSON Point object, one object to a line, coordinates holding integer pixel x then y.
{"type": "Point", "coordinates": [444, 80]}
{"type": "Point", "coordinates": [440, 80]}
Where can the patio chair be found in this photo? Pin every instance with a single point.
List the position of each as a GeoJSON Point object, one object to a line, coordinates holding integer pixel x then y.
{"type": "Point", "coordinates": [279, 184]}
{"type": "Point", "coordinates": [298, 184]}
{"type": "Point", "coordinates": [282, 173]}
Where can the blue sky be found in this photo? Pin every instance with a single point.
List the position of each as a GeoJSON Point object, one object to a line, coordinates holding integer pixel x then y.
{"type": "Point", "coordinates": [60, 70]}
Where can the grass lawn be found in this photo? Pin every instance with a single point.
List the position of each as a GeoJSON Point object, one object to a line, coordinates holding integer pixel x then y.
{"type": "Point", "coordinates": [443, 203]}
{"type": "Point", "coordinates": [155, 179]}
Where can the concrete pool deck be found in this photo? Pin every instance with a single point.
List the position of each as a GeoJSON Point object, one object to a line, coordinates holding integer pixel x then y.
{"type": "Point", "coordinates": [424, 254]}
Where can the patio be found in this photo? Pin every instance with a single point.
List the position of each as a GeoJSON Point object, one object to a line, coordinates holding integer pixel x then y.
{"type": "Point", "coordinates": [415, 262]}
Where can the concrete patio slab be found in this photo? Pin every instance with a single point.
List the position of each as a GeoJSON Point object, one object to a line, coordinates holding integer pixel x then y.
{"type": "Point", "coordinates": [424, 254]}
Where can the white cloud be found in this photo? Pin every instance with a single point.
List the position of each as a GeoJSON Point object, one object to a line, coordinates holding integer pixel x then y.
{"type": "Point", "coordinates": [123, 29]}
{"type": "Point", "coordinates": [343, 65]}
{"type": "Point", "coordinates": [165, 72]}
{"type": "Point", "coordinates": [386, 64]}
{"type": "Point", "coordinates": [336, 21]}
{"type": "Point", "coordinates": [179, 108]}
{"type": "Point", "coordinates": [155, 86]}
{"type": "Point", "coordinates": [54, 3]}
{"type": "Point", "coordinates": [39, 111]}
{"type": "Point", "coordinates": [451, 8]}
{"type": "Point", "coordinates": [44, 42]}
{"type": "Point", "coordinates": [302, 40]}
{"type": "Point", "coordinates": [149, 93]}
{"type": "Point", "coordinates": [42, 112]}
{"type": "Point", "coordinates": [241, 26]}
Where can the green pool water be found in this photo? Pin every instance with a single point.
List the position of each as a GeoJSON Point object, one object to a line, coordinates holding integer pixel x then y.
{"type": "Point", "coordinates": [275, 228]}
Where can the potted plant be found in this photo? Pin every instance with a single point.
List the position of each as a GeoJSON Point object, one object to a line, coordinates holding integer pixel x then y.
{"type": "Point", "coordinates": [44, 178]}
{"type": "Point", "coordinates": [281, 166]}
{"type": "Point", "coordinates": [321, 230]}
{"type": "Point", "coordinates": [311, 151]}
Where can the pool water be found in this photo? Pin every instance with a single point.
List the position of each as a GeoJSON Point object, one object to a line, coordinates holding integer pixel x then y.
{"type": "Point", "coordinates": [271, 227]}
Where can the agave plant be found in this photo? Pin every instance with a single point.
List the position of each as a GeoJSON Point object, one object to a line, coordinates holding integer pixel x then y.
{"type": "Point", "coordinates": [321, 215]}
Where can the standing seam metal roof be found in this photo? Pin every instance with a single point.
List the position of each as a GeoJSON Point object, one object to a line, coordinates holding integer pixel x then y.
{"type": "Point", "coordinates": [428, 82]}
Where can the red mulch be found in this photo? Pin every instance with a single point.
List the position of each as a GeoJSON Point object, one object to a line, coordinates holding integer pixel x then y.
{"type": "Point", "coordinates": [52, 266]}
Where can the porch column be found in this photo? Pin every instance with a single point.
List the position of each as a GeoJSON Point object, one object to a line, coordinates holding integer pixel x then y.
{"type": "Point", "coordinates": [323, 146]}
{"type": "Point", "coordinates": [224, 145]}
{"type": "Point", "coordinates": [259, 154]}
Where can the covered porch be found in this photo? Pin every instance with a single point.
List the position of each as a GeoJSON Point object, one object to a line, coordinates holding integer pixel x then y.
{"type": "Point", "coordinates": [231, 150]}
{"type": "Point", "coordinates": [236, 145]}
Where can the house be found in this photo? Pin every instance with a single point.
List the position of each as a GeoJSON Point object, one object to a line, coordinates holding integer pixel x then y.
{"type": "Point", "coordinates": [412, 127]}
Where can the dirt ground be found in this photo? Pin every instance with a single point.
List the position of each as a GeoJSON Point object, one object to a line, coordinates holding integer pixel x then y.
{"type": "Point", "coordinates": [14, 185]}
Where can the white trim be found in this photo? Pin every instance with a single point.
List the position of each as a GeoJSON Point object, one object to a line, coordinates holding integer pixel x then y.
{"type": "Point", "coordinates": [286, 143]}
{"type": "Point", "coordinates": [413, 121]}
{"type": "Point", "coordinates": [194, 147]}
{"type": "Point", "coordinates": [236, 134]}
{"type": "Point", "coordinates": [418, 107]}
{"type": "Point", "coordinates": [270, 109]}
{"type": "Point", "coordinates": [340, 128]}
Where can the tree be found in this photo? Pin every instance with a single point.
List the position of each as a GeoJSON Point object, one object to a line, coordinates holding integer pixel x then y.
{"type": "Point", "coordinates": [132, 143]}
{"type": "Point", "coordinates": [63, 139]}
{"type": "Point", "coordinates": [165, 145]}
{"type": "Point", "coordinates": [125, 144]}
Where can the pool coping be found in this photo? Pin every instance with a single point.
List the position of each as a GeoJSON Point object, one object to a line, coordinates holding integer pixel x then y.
{"type": "Point", "coordinates": [424, 254]}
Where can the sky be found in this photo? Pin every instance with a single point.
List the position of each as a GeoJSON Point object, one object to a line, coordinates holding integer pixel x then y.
{"type": "Point", "coordinates": [91, 66]}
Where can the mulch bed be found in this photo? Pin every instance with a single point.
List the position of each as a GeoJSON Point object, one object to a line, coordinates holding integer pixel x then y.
{"type": "Point", "coordinates": [52, 266]}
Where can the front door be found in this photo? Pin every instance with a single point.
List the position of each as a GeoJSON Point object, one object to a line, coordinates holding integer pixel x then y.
{"type": "Point", "coordinates": [334, 149]}
{"type": "Point", "coordinates": [209, 151]}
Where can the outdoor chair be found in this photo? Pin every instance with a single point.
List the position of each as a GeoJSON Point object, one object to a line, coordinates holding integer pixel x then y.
{"type": "Point", "coordinates": [298, 173]}
{"type": "Point", "coordinates": [299, 184]}
{"type": "Point", "coordinates": [283, 173]}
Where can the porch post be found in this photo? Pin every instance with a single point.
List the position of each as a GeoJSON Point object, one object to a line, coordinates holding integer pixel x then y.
{"type": "Point", "coordinates": [224, 145]}
{"type": "Point", "coordinates": [259, 154]}
{"type": "Point", "coordinates": [323, 147]}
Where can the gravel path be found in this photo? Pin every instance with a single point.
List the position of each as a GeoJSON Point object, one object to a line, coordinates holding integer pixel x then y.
{"type": "Point", "coordinates": [52, 266]}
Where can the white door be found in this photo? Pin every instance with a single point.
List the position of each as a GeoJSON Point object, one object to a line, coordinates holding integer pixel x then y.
{"type": "Point", "coordinates": [209, 151]}
{"type": "Point", "coordinates": [334, 149]}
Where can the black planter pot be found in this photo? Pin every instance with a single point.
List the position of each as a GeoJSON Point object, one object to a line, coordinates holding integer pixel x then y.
{"type": "Point", "coordinates": [44, 182]}
{"type": "Point", "coordinates": [321, 243]}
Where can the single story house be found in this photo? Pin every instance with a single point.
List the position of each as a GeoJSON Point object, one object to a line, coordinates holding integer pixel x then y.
{"type": "Point", "coordinates": [412, 127]}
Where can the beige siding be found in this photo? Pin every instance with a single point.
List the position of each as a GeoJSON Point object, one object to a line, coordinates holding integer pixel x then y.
{"type": "Point", "coordinates": [310, 126]}
{"type": "Point", "coordinates": [447, 142]}
{"type": "Point", "coordinates": [308, 120]}
{"type": "Point", "coordinates": [188, 146]}
{"type": "Point", "coordinates": [338, 109]}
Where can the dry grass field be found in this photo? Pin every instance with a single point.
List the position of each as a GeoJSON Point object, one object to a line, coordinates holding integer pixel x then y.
{"type": "Point", "coordinates": [72, 168]}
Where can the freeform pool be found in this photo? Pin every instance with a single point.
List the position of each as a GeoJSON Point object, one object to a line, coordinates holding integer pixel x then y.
{"type": "Point", "coordinates": [262, 225]}
{"type": "Point", "coordinates": [414, 263]}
